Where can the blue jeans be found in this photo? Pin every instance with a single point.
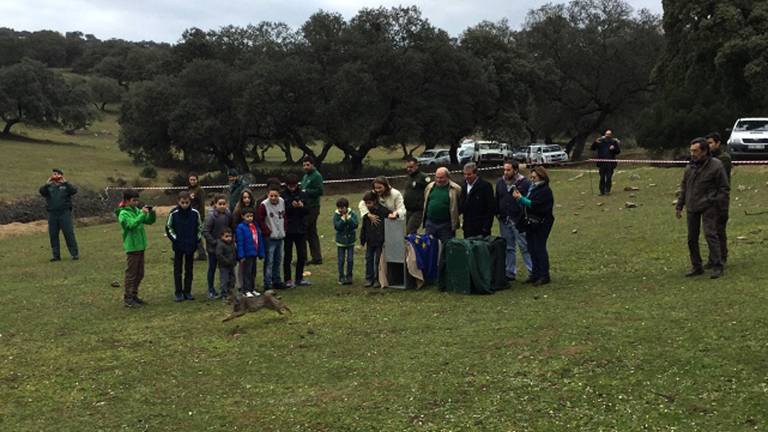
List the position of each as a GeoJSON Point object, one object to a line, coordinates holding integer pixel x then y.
{"type": "Point", "coordinates": [272, 262]}
{"type": "Point", "coordinates": [372, 258]}
{"type": "Point", "coordinates": [212, 264]}
{"type": "Point", "coordinates": [346, 253]}
{"type": "Point", "coordinates": [537, 246]}
{"type": "Point", "coordinates": [513, 236]}
{"type": "Point", "coordinates": [227, 280]}
{"type": "Point", "coordinates": [441, 231]}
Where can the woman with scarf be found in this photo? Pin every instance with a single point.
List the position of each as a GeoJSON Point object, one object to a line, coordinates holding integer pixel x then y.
{"type": "Point", "coordinates": [537, 222]}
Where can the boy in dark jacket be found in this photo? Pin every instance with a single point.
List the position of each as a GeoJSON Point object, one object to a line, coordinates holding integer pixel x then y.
{"type": "Point", "coordinates": [226, 257]}
{"type": "Point", "coordinates": [250, 246]}
{"type": "Point", "coordinates": [215, 223]}
{"type": "Point", "coordinates": [185, 230]}
{"type": "Point", "coordinates": [372, 237]}
{"type": "Point", "coordinates": [295, 231]}
{"type": "Point", "coordinates": [345, 223]}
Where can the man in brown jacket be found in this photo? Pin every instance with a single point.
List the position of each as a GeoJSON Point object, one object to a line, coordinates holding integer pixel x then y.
{"type": "Point", "coordinates": [704, 191]}
{"type": "Point", "coordinates": [441, 206]}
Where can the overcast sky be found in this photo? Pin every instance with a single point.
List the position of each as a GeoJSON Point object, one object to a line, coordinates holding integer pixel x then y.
{"type": "Point", "coordinates": [165, 20]}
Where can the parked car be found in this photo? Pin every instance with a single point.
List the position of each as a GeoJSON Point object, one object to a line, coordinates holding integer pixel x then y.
{"type": "Point", "coordinates": [749, 138]}
{"type": "Point", "coordinates": [466, 154]}
{"type": "Point", "coordinates": [492, 151]}
{"type": "Point", "coordinates": [434, 157]}
{"type": "Point", "coordinates": [521, 154]}
{"type": "Point", "coordinates": [545, 154]}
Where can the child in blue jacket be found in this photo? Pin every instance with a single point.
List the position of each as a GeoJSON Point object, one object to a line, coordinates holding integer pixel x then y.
{"type": "Point", "coordinates": [250, 246]}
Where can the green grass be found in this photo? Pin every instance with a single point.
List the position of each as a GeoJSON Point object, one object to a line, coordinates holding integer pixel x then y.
{"type": "Point", "coordinates": [90, 157]}
{"type": "Point", "coordinates": [87, 158]}
{"type": "Point", "coordinates": [619, 340]}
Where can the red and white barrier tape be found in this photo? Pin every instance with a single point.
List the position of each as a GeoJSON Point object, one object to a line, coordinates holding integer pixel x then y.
{"type": "Point", "coordinates": [493, 168]}
{"type": "Point", "coordinates": [262, 185]}
{"type": "Point", "coordinates": [672, 162]}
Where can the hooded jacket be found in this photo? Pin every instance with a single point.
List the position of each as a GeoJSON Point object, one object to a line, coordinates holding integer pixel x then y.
{"type": "Point", "coordinates": [215, 223]}
{"type": "Point", "coordinates": [246, 246]}
{"type": "Point", "coordinates": [346, 228]}
{"type": "Point", "coordinates": [132, 221]}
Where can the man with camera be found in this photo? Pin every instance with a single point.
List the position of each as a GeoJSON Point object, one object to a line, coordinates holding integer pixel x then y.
{"type": "Point", "coordinates": [58, 192]}
{"type": "Point", "coordinates": [510, 213]}
{"type": "Point", "coordinates": [607, 147]}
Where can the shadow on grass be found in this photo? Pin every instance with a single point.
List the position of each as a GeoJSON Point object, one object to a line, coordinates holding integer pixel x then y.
{"type": "Point", "coordinates": [28, 140]}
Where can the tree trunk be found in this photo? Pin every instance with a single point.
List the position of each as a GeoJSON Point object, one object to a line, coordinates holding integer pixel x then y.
{"type": "Point", "coordinates": [404, 147]}
{"type": "Point", "coordinates": [238, 158]}
{"type": "Point", "coordinates": [579, 140]}
{"type": "Point", "coordinates": [577, 144]}
{"type": "Point", "coordinates": [286, 148]}
{"type": "Point", "coordinates": [8, 125]}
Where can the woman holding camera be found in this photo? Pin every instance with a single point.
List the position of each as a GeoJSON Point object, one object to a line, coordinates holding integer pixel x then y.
{"type": "Point", "coordinates": [537, 223]}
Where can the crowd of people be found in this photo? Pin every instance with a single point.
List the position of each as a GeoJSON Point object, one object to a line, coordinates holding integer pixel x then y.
{"type": "Point", "coordinates": [234, 231]}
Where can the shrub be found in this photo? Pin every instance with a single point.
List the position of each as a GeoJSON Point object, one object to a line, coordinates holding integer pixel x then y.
{"type": "Point", "coordinates": [149, 172]}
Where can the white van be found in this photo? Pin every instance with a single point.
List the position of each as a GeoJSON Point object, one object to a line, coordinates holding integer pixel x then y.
{"type": "Point", "coordinates": [749, 138]}
{"type": "Point", "coordinates": [545, 154]}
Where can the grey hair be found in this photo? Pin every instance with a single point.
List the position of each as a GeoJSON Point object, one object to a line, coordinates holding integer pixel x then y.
{"type": "Point", "coordinates": [471, 166]}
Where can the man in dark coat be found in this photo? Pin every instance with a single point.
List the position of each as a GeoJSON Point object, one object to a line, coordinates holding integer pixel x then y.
{"type": "Point", "coordinates": [295, 233]}
{"type": "Point", "coordinates": [717, 151]}
{"type": "Point", "coordinates": [606, 147]}
{"type": "Point", "coordinates": [704, 192]}
{"type": "Point", "coordinates": [58, 192]}
{"type": "Point", "coordinates": [477, 203]}
{"type": "Point", "coordinates": [413, 197]}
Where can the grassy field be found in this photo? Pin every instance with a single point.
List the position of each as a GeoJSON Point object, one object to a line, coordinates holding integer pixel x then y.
{"type": "Point", "coordinates": [87, 158]}
{"type": "Point", "coordinates": [619, 341]}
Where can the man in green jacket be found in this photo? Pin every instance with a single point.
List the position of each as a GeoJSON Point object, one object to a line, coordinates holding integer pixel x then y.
{"type": "Point", "coordinates": [132, 220]}
{"type": "Point", "coordinates": [197, 195]}
{"type": "Point", "coordinates": [414, 194]}
{"type": "Point", "coordinates": [58, 192]}
{"type": "Point", "coordinates": [236, 186]}
{"type": "Point", "coordinates": [312, 187]}
{"type": "Point", "coordinates": [717, 151]}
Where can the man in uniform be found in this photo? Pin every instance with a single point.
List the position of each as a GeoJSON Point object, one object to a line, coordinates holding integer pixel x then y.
{"type": "Point", "coordinates": [58, 192]}
{"type": "Point", "coordinates": [312, 187]}
{"type": "Point", "coordinates": [414, 195]}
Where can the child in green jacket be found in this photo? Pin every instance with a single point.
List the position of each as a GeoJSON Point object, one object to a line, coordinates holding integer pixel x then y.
{"type": "Point", "coordinates": [345, 222]}
{"type": "Point", "coordinates": [132, 220]}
